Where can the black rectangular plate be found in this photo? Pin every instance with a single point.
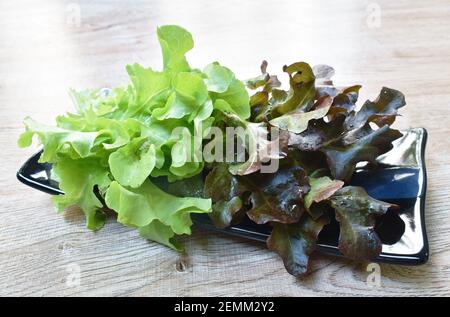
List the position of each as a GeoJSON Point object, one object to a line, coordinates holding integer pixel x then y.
{"type": "Point", "coordinates": [399, 178]}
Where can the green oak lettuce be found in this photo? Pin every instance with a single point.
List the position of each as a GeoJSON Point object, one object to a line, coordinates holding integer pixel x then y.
{"type": "Point", "coordinates": [148, 207]}
{"type": "Point", "coordinates": [104, 153]}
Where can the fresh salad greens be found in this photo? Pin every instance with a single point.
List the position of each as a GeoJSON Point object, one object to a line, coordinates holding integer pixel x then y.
{"type": "Point", "coordinates": [139, 150]}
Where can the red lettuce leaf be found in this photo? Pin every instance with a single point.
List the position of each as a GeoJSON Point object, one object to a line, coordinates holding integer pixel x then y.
{"type": "Point", "coordinates": [278, 196]}
{"type": "Point", "coordinates": [342, 158]}
{"type": "Point", "coordinates": [382, 111]}
{"type": "Point", "coordinates": [295, 242]}
{"type": "Point", "coordinates": [356, 213]}
{"type": "Point", "coordinates": [345, 101]}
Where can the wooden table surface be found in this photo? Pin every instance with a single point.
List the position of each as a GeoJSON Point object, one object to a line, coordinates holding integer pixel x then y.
{"type": "Point", "coordinates": [48, 46]}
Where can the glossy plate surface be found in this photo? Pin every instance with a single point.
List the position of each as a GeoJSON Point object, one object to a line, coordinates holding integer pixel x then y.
{"type": "Point", "coordinates": [400, 178]}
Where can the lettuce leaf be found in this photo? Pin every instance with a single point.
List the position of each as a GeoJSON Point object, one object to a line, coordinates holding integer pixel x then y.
{"type": "Point", "coordinates": [139, 207]}
{"type": "Point", "coordinates": [295, 242]}
{"type": "Point", "coordinates": [321, 189]}
{"type": "Point", "coordinates": [78, 178]}
{"type": "Point", "coordinates": [132, 164]}
{"type": "Point", "coordinates": [356, 213]}
{"type": "Point", "coordinates": [161, 233]}
{"type": "Point", "coordinates": [298, 122]}
{"type": "Point", "coordinates": [277, 197]}
{"type": "Point", "coordinates": [175, 43]}
{"type": "Point", "coordinates": [59, 141]}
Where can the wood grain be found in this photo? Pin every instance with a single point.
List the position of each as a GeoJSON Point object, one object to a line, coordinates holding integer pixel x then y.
{"type": "Point", "coordinates": [44, 51]}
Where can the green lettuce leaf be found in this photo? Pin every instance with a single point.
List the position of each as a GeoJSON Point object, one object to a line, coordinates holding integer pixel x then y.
{"type": "Point", "coordinates": [78, 178]}
{"type": "Point", "coordinates": [227, 92]}
{"type": "Point", "coordinates": [189, 95]}
{"type": "Point", "coordinates": [161, 233]}
{"type": "Point", "coordinates": [149, 89]}
{"type": "Point", "coordinates": [100, 102]}
{"type": "Point", "coordinates": [57, 140]}
{"type": "Point", "coordinates": [139, 207]}
{"type": "Point", "coordinates": [133, 163]}
{"type": "Point", "coordinates": [218, 78]}
{"type": "Point", "coordinates": [175, 43]}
